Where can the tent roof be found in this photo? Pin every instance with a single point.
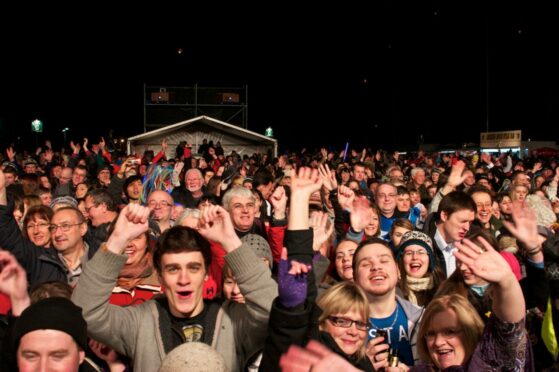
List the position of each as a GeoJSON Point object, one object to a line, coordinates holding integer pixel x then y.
{"type": "Point", "coordinates": [217, 124]}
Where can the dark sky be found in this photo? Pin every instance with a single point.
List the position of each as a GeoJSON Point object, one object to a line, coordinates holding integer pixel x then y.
{"type": "Point", "coordinates": [386, 74]}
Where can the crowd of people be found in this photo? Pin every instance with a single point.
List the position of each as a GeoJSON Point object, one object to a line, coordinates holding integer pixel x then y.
{"type": "Point", "coordinates": [326, 260]}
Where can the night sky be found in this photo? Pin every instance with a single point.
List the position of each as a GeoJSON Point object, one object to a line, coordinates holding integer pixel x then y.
{"type": "Point", "coordinates": [391, 74]}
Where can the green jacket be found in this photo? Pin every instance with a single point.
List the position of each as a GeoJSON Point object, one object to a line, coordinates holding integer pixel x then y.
{"type": "Point", "coordinates": [240, 330]}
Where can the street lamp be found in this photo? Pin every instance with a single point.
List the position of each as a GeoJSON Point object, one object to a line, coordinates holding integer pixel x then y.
{"type": "Point", "coordinates": [64, 132]}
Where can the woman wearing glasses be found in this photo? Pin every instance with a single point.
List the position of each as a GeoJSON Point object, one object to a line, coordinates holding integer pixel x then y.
{"type": "Point", "coordinates": [420, 278]}
{"type": "Point", "coordinates": [453, 335]}
{"type": "Point", "coordinates": [339, 319]}
{"type": "Point", "coordinates": [36, 225]}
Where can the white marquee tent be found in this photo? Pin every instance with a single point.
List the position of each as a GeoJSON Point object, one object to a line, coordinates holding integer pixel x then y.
{"type": "Point", "coordinates": [193, 131]}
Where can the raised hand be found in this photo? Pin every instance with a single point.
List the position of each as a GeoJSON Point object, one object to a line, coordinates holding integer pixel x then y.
{"type": "Point", "coordinates": [361, 215]}
{"type": "Point", "coordinates": [484, 262]}
{"type": "Point", "coordinates": [315, 357]}
{"type": "Point", "coordinates": [132, 221]}
{"type": "Point", "coordinates": [11, 153]}
{"type": "Point", "coordinates": [328, 177]}
{"type": "Point", "coordinates": [346, 197]}
{"type": "Point", "coordinates": [103, 352]}
{"type": "Point", "coordinates": [456, 175]}
{"type": "Point", "coordinates": [321, 229]}
{"type": "Point", "coordinates": [292, 281]}
{"type": "Point", "coordinates": [13, 282]}
{"type": "Point", "coordinates": [85, 142]}
{"type": "Point", "coordinates": [215, 225]}
{"type": "Point", "coordinates": [525, 227]}
{"type": "Point", "coordinates": [164, 145]}
{"type": "Point", "coordinates": [305, 182]}
{"type": "Point", "coordinates": [278, 199]}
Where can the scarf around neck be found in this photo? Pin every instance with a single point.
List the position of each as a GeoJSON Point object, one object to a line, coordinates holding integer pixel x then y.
{"type": "Point", "coordinates": [417, 285]}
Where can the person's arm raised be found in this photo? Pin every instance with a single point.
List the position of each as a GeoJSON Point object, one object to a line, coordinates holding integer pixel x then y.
{"type": "Point", "coordinates": [215, 225]}
{"type": "Point", "coordinates": [508, 301]}
{"type": "Point", "coordinates": [131, 223]}
{"type": "Point", "coordinates": [303, 185]}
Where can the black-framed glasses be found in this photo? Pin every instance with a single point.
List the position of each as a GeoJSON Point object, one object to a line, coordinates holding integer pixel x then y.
{"type": "Point", "coordinates": [65, 227]}
{"type": "Point", "coordinates": [346, 323]}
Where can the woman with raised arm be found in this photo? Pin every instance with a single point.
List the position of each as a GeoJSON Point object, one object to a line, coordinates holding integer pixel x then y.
{"type": "Point", "coordinates": [453, 335]}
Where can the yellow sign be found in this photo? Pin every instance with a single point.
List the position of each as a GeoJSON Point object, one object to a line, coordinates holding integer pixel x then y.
{"type": "Point", "coordinates": [511, 138]}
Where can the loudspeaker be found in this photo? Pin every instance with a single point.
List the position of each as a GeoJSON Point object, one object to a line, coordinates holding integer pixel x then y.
{"type": "Point", "coordinates": [160, 97]}
{"type": "Point", "coordinates": [228, 97]}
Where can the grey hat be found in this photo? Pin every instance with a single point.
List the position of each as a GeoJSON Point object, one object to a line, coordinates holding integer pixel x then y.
{"type": "Point", "coordinates": [259, 245]}
{"type": "Point", "coordinates": [66, 200]}
{"type": "Point", "coordinates": [193, 356]}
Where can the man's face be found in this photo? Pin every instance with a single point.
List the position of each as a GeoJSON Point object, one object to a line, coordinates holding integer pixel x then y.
{"type": "Point", "coordinates": [10, 178]}
{"type": "Point", "coordinates": [104, 177]}
{"type": "Point", "coordinates": [48, 350]}
{"type": "Point", "coordinates": [78, 176]}
{"type": "Point", "coordinates": [30, 168]}
{"type": "Point", "coordinates": [456, 226]}
{"type": "Point", "coordinates": [419, 178]}
{"type": "Point", "coordinates": [484, 205]}
{"type": "Point", "coordinates": [377, 272]}
{"type": "Point", "coordinates": [521, 179]}
{"type": "Point", "coordinates": [193, 182]}
{"type": "Point", "coordinates": [95, 213]}
{"type": "Point", "coordinates": [65, 176]}
{"type": "Point", "coordinates": [161, 205]}
{"type": "Point", "coordinates": [46, 198]}
{"type": "Point", "coordinates": [266, 190]}
{"type": "Point", "coordinates": [67, 240]}
{"type": "Point", "coordinates": [386, 199]}
{"type": "Point", "coordinates": [403, 202]}
{"type": "Point", "coordinates": [242, 210]}
{"type": "Point", "coordinates": [359, 173]}
{"type": "Point", "coordinates": [134, 189]}
{"type": "Point", "coordinates": [56, 170]}
{"type": "Point", "coordinates": [182, 277]}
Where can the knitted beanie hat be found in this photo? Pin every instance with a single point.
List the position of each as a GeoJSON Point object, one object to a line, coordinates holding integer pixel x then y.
{"type": "Point", "coordinates": [56, 313]}
{"type": "Point", "coordinates": [417, 238]}
{"type": "Point", "coordinates": [259, 245]}
{"type": "Point", "coordinates": [195, 357]}
{"type": "Point", "coordinates": [63, 201]}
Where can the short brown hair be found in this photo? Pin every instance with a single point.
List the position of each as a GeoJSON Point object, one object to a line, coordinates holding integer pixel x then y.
{"type": "Point", "coordinates": [179, 239]}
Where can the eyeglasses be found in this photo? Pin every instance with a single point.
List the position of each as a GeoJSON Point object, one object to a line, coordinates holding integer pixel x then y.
{"type": "Point", "coordinates": [87, 209]}
{"type": "Point", "coordinates": [64, 227]}
{"type": "Point", "coordinates": [447, 334]}
{"type": "Point", "coordinates": [32, 226]}
{"type": "Point", "coordinates": [419, 252]}
{"type": "Point", "coordinates": [162, 204]}
{"type": "Point", "coordinates": [346, 323]}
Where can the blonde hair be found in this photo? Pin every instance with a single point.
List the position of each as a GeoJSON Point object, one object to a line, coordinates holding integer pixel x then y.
{"type": "Point", "coordinates": [468, 318]}
{"type": "Point", "coordinates": [342, 298]}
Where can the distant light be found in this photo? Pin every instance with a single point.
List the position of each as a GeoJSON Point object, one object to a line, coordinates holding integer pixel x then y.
{"type": "Point", "coordinates": [179, 51]}
{"type": "Point", "coordinates": [65, 130]}
{"type": "Point", "coordinates": [519, 31]}
{"type": "Point", "coordinates": [436, 13]}
{"type": "Point", "coordinates": [269, 132]}
{"type": "Point", "coordinates": [122, 140]}
{"type": "Point", "coordinates": [364, 81]}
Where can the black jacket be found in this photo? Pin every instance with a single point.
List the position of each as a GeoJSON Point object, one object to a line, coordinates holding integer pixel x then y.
{"type": "Point", "coordinates": [41, 264]}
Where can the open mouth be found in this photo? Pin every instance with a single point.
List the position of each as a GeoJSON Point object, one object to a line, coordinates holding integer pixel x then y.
{"type": "Point", "coordinates": [377, 279]}
{"type": "Point", "coordinates": [184, 295]}
{"type": "Point", "coordinates": [445, 354]}
{"type": "Point", "coordinates": [415, 267]}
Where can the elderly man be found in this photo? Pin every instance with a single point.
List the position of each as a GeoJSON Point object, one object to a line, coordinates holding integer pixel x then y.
{"type": "Point", "coordinates": [161, 206]}
{"type": "Point", "coordinates": [191, 191]}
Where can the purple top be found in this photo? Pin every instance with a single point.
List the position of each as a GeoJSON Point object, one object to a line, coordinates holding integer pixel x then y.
{"type": "Point", "coordinates": [502, 347]}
